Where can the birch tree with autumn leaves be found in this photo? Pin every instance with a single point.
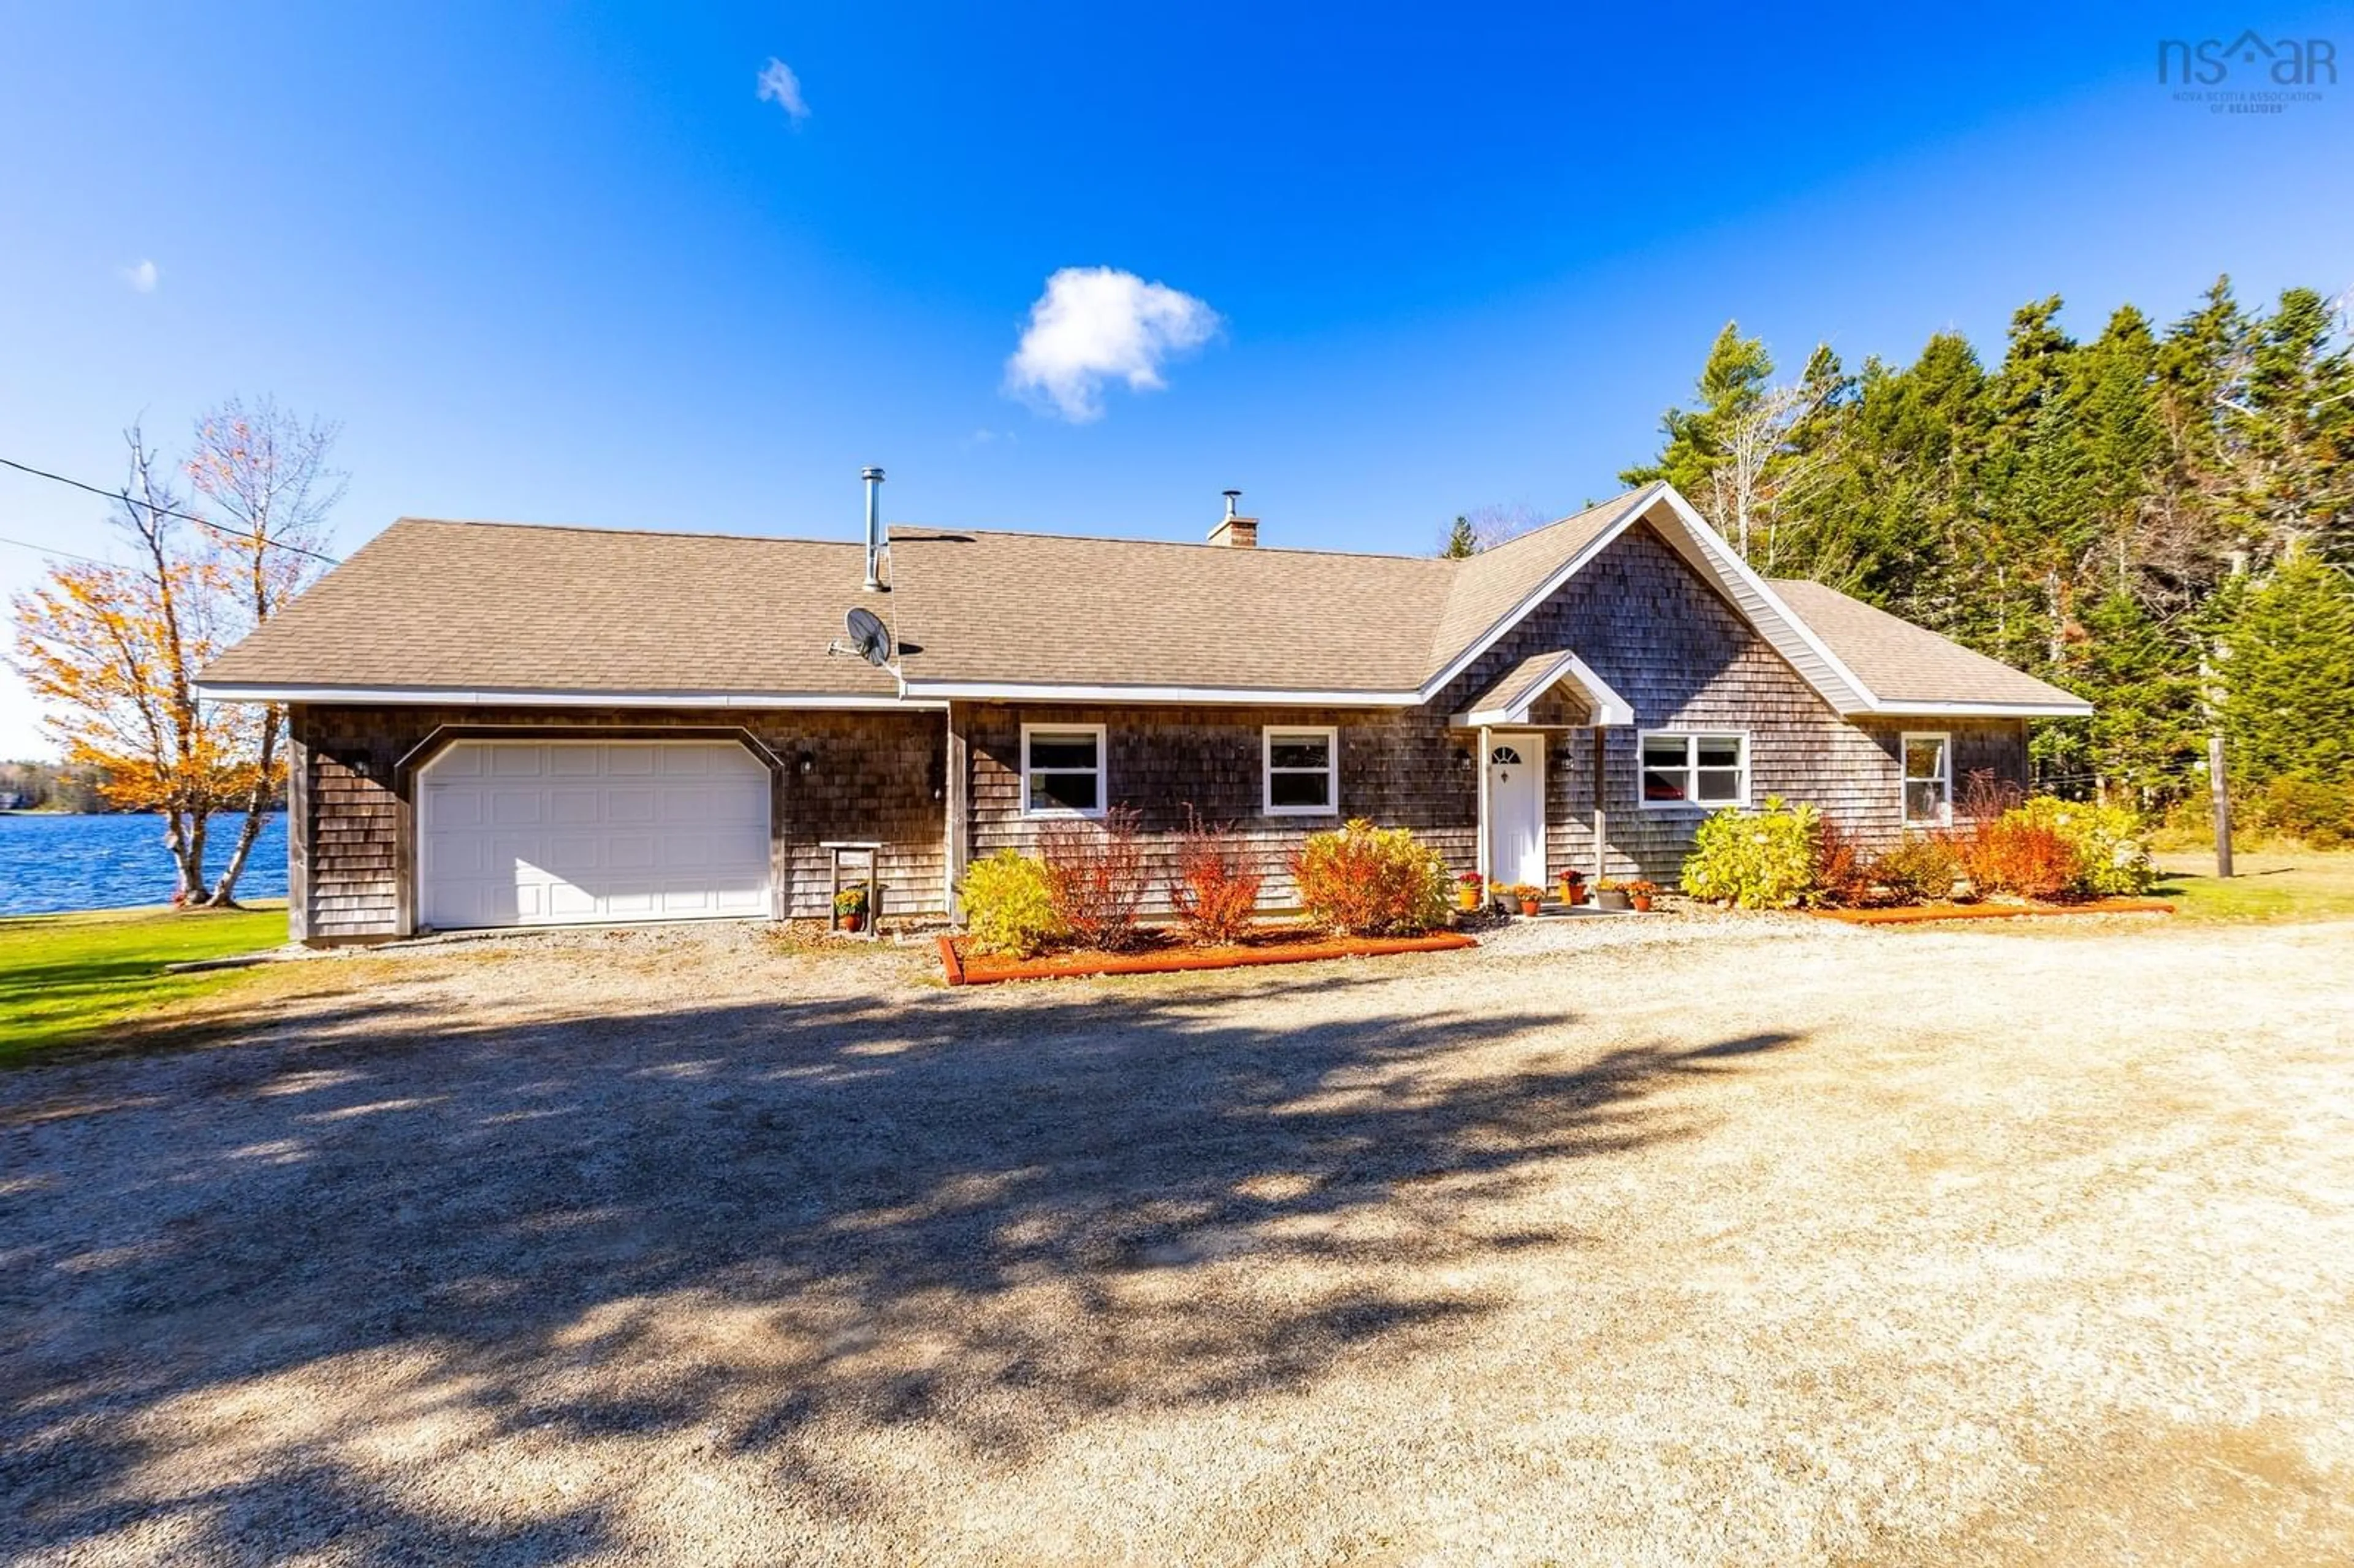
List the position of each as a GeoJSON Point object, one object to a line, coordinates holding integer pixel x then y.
{"type": "Point", "coordinates": [114, 650]}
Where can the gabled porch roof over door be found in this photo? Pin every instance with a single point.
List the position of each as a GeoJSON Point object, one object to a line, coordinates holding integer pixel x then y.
{"type": "Point", "coordinates": [1508, 702]}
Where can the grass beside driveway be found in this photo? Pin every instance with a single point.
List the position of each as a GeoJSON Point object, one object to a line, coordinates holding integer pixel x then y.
{"type": "Point", "coordinates": [65, 977]}
{"type": "Point", "coordinates": [2305, 885]}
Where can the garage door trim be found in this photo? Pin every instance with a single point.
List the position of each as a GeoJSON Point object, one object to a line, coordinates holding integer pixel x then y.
{"type": "Point", "coordinates": [407, 774]}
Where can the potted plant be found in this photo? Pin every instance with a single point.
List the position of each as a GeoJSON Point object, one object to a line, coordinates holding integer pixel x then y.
{"type": "Point", "coordinates": [1468, 888]}
{"type": "Point", "coordinates": [1640, 893]}
{"type": "Point", "coordinates": [1527, 894]}
{"type": "Point", "coordinates": [1610, 895]}
{"type": "Point", "coordinates": [1573, 886]}
{"type": "Point", "coordinates": [850, 908]}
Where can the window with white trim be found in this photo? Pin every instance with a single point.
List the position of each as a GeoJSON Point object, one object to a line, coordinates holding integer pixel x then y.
{"type": "Point", "coordinates": [1062, 771]}
{"type": "Point", "coordinates": [1928, 779]}
{"type": "Point", "coordinates": [1682, 768]}
{"type": "Point", "coordinates": [1301, 764]}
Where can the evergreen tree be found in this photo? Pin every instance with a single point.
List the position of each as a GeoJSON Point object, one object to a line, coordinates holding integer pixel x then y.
{"type": "Point", "coordinates": [2097, 512]}
{"type": "Point", "coordinates": [1461, 541]}
{"type": "Point", "coordinates": [2300, 427]}
{"type": "Point", "coordinates": [2289, 673]}
{"type": "Point", "coordinates": [2146, 728]}
{"type": "Point", "coordinates": [1731, 380]}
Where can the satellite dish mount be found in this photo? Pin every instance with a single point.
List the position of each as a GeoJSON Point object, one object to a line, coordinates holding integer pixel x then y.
{"type": "Point", "coordinates": [866, 636]}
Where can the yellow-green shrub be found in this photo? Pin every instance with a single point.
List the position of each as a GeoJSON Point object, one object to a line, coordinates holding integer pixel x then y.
{"type": "Point", "coordinates": [1366, 881]}
{"type": "Point", "coordinates": [1754, 860]}
{"type": "Point", "coordinates": [1008, 905]}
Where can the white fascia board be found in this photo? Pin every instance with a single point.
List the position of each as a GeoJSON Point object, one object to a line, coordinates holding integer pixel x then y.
{"type": "Point", "coordinates": [1610, 707]}
{"type": "Point", "coordinates": [1723, 555]}
{"type": "Point", "coordinates": [1545, 591]}
{"type": "Point", "coordinates": [1728, 561]}
{"type": "Point", "coordinates": [1898, 707]}
{"type": "Point", "coordinates": [1255, 696]}
{"type": "Point", "coordinates": [250, 692]}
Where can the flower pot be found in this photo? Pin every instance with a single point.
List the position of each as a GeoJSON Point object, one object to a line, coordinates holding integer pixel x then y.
{"type": "Point", "coordinates": [1572, 892]}
{"type": "Point", "coordinates": [1466, 898]}
{"type": "Point", "coordinates": [1527, 905]}
{"type": "Point", "coordinates": [854, 922]}
{"type": "Point", "coordinates": [1613, 898]}
{"type": "Point", "coordinates": [1642, 901]}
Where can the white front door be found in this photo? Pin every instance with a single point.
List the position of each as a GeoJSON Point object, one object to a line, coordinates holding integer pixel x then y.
{"type": "Point", "coordinates": [1516, 824]}
{"type": "Point", "coordinates": [521, 832]}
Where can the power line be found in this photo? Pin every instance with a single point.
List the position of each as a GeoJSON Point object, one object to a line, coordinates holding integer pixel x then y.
{"type": "Point", "coordinates": [162, 511]}
{"type": "Point", "coordinates": [69, 554]}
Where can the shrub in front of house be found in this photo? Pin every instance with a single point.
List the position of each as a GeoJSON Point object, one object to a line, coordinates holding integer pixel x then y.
{"type": "Point", "coordinates": [2112, 860]}
{"type": "Point", "coordinates": [2016, 853]}
{"type": "Point", "coordinates": [1763, 859]}
{"type": "Point", "coordinates": [1919, 869]}
{"type": "Point", "coordinates": [1364, 880]}
{"type": "Point", "coordinates": [1008, 906]}
{"type": "Point", "coordinates": [1842, 871]}
{"type": "Point", "coordinates": [1096, 877]}
{"type": "Point", "coordinates": [1214, 891]}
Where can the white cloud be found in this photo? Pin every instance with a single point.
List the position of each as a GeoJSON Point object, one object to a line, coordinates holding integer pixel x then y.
{"type": "Point", "coordinates": [1096, 322]}
{"type": "Point", "coordinates": [144, 277]}
{"type": "Point", "coordinates": [780, 85]}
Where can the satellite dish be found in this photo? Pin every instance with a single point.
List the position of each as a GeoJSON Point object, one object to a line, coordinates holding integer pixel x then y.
{"type": "Point", "coordinates": [869, 638]}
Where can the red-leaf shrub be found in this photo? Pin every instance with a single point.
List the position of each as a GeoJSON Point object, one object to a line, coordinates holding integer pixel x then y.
{"type": "Point", "coordinates": [1096, 877]}
{"type": "Point", "coordinates": [1214, 892]}
{"type": "Point", "coordinates": [2005, 849]}
{"type": "Point", "coordinates": [2016, 854]}
{"type": "Point", "coordinates": [1364, 880]}
{"type": "Point", "coordinates": [1838, 866]}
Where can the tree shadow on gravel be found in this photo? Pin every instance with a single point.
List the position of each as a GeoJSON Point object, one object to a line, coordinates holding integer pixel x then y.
{"type": "Point", "coordinates": [771, 1224]}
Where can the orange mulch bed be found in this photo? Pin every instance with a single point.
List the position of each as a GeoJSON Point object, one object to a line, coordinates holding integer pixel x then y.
{"type": "Point", "coordinates": [1165, 956]}
{"type": "Point", "coordinates": [1914, 915]}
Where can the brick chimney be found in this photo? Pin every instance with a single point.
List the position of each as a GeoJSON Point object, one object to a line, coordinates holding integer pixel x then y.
{"type": "Point", "coordinates": [1235, 533]}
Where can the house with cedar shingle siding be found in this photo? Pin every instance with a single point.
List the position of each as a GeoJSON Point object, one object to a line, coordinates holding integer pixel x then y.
{"type": "Point", "coordinates": [503, 724]}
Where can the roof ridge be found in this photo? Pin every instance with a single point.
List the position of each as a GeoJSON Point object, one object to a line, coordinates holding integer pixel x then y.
{"type": "Point", "coordinates": [1181, 543]}
{"type": "Point", "coordinates": [1442, 562]}
{"type": "Point", "coordinates": [629, 533]}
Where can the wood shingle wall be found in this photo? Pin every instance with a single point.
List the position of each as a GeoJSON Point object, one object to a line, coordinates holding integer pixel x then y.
{"type": "Point", "coordinates": [1397, 769]}
{"type": "Point", "coordinates": [1636, 615]}
{"type": "Point", "coordinates": [871, 776]}
{"type": "Point", "coordinates": [1684, 659]}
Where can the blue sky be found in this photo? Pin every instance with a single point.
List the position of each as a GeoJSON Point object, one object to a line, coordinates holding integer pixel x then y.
{"type": "Point", "coordinates": [569, 264]}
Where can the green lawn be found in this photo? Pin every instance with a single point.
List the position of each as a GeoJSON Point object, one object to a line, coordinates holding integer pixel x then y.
{"type": "Point", "coordinates": [65, 977]}
{"type": "Point", "coordinates": [2308, 885]}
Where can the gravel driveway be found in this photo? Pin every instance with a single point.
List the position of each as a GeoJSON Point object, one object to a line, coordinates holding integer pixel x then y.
{"type": "Point", "coordinates": [1778, 1243]}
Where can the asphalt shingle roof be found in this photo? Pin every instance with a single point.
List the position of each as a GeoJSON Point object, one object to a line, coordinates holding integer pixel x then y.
{"type": "Point", "coordinates": [483, 606]}
{"type": "Point", "coordinates": [476, 606]}
{"type": "Point", "coordinates": [985, 606]}
{"type": "Point", "coordinates": [1902, 663]}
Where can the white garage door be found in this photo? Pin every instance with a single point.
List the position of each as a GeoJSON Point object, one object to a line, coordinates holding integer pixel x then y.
{"type": "Point", "coordinates": [559, 833]}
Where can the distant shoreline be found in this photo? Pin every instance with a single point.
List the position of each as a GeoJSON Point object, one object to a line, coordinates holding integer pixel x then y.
{"type": "Point", "coordinates": [46, 812]}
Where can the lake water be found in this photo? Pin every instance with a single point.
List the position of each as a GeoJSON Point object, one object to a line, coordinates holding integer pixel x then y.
{"type": "Point", "coordinates": [50, 864]}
